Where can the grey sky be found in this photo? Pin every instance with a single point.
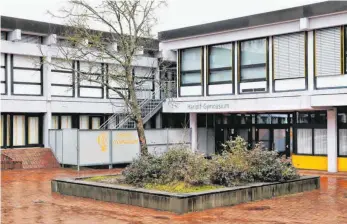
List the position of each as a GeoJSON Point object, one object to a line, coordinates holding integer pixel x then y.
{"type": "Point", "coordinates": [178, 13]}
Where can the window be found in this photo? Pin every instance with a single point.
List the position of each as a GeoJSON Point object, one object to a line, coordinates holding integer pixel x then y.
{"type": "Point", "coordinates": [144, 82]}
{"type": "Point", "coordinates": [3, 35]}
{"type": "Point", "coordinates": [289, 56]}
{"type": "Point", "coordinates": [253, 60]}
{"type": "Point", "coordinates": [328, 52]}
{"type": "Point", "coordinates": [62, 78]}
{"type": "Point", "coordinates": [342, 131]}
{"type": "Point", "coordinates": [88, 77]}
{"type": "Point", "coordinates": [311, 133]}
{"type": "Point", "coordinates": [27, 75]}
{"type": "Point", "coordinates": [220, 64]}
{"type": "Point", "coordinates": [3, 73]}
{"type": "Point", "coordinates": [191, 66]}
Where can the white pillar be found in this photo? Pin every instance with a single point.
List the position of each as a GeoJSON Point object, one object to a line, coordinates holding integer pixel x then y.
{"type": "Point", "coordinates": [47, 120]}
{"type": "Point", "coordinates": [193, 123]}
{"type": "Point", "coordinates": [235, 68]}
{"type": "Point", "coordinates": [332, 140]}
{"type": "Point", "coordinates": [270, 65]}
{"type": "Point", "coordinates": [158, 121]}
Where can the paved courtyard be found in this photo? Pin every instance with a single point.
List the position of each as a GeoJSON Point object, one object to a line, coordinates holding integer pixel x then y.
{"type": "Point", "coordinates": [27, 198]}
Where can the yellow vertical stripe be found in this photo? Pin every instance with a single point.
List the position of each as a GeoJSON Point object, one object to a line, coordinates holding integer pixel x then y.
{"type": "Point", "coordinates": [15, 130]}
{"type": "Point", "coordinates": [1, 131]}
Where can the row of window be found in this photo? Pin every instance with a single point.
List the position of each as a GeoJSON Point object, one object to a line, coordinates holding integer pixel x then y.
{"type": "Point", "coordinates": [289, 58]}
{"type": "Point", "coordinates": [27, 78]}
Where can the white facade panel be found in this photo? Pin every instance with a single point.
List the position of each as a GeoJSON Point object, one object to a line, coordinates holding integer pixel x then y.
{"type": "Point", "coordinates": [26, 61]}
{"type": "Point", "coordinates": [246, 86]}
{"type": "Point", "coordinates": [331, 81]}
{"type": "Point", "coordinates": [2, 88]}
{"type": "Point", "coordinates": [220, 89]}
{"type": "Point", "coordinates": [63, 65]}
{"type": "Point", "coordinates": [32, 76]}
{"type": "Point", "coordinates": [191, 90]}
{"type": "Point", "coordinates": [90, 67]}
{"type": "Point", "coordinates": [113, 94]}
{"type": "Point", "coordinates": [90, 92]}
{"type": "Point", "coordinates": [143, 72]}
{"type": "Point", "coordinates": [2, 60]}
{"type": "Point", "coordinates": [27, 89]}
{"type": "Point", "coordinates": [2, 74]}
{"type": "Point", "coordinates": [61, 91]}
{"type": "Point", "coordinates": [290, 84]}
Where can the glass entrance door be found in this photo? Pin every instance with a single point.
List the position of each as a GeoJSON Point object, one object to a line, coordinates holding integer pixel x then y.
{"type": "Point", "coordinates": [276, 139]}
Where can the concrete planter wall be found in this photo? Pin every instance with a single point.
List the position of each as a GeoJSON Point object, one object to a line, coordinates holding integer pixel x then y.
{"type": "Point", "coordinates": [182, 203]}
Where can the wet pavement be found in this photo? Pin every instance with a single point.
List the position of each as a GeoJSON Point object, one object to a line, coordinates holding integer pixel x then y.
{"type": "Point", "coordinates": [27, 198]}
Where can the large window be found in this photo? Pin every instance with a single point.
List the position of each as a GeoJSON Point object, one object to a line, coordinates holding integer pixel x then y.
{"type": "Point", "coordinates": [311, 133]}
{"type": "Point", "coordinates": [253, 60]}
{"type": "Point", "coordinates": [191, 66]}
{"type": "Point", "coordinates": [220, 64]}
{"type": "Point", "coordinates": [90, 79]}
{"type": "Point", "coordinates": [3, 74]}
{"type": "Point", "coordinates": [21, 130]}
{"type": "Point", "coordinates": [27, 75]}
{"type": "Point", "coordinates": [289, 56]}
{"type": "Point", "coordinates": [342, 131]}
{"type": "Point", "coordinates": [62, 79]}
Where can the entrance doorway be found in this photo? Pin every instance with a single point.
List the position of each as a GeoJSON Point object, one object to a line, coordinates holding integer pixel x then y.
{"type": "Point", "coordinates": [277, 139]}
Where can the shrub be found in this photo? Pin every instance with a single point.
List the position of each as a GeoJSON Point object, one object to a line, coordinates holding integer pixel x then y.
{"type": "Point", "coordinates": [145, 169]}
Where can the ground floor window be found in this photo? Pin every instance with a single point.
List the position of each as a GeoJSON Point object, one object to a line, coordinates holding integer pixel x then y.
{"type": "Point", "coordinates": [80, 121]}
{"type": "Point", "coordinates": [21, 130]}
{"type": "Point", "coordinates": [342, 131]}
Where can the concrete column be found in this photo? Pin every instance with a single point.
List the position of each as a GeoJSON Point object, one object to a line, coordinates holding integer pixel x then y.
{"type": "Point", "coordinates": [235, 68]}
{"type": "Point", "coordinates": [193, 124]}
{"type": "Point", "coordinates": [204, 70]}
{"type": "Point", "coordinates": [332, 140]}
{"type": "Point", "coordinates": [47, 120]}
{"type": "Point", "coordinates": [310, 64]}
{"type": "Point", "coordinates": [158, 121]}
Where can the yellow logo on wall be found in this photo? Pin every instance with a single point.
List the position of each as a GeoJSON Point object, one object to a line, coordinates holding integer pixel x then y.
{"type": "Point", "coordinates": [103, 141]}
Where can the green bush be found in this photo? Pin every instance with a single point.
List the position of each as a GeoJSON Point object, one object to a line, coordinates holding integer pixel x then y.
{"type": "Point", "coordinates": [235, 166]}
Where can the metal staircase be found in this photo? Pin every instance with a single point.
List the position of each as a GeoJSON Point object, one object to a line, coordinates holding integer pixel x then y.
{"type": "Point", "coordinates": [149, 107]}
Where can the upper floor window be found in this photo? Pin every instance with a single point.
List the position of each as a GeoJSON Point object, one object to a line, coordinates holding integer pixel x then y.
{"type": "Point", "coordinates": [3, 74]}
{"type": "Point", "coordinates": [191, 66]}
{"type": "Point", "coordinates": [253, 60]}
{"type": "Point", "coordinates": [3, 35]}
{"type": "Point", "coordinates": [220, 64]}
{"type": "Point", "coordinates": [28, 38]}
{"type": "Point", "coordinates": [289, 56]}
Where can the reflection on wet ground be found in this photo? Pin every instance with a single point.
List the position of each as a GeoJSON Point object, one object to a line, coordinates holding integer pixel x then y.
{"type": "Point", "coordinates": [27, 198]}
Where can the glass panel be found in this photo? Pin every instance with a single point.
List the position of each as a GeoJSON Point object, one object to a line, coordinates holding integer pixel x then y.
{"type": "Point", "coordinates": [342, 118]}
{"type": "Point", "coordinates": [320, 141]}
{"type": "Point", "coordinates": [253, 73]}
{"type": "Point", "coordinates": [220, 76]}
{"type": "Point", "coordinates": [65, 122]}
{"type": "Point", "coordinates": [280, 140]}
{"type": "Point", "coordinates": [303, 118]}
{"type": "Point", "coordinates": [191, 78]}
{"type": "Point", "coordinates": [321, 118]}
{"type": "Point", "coordinates": [84, 122]}
{"type": "Point", "coordinates": [191, 59]}
{"type": "Point", "coordinates": [343, 142]}
{"type": "Point", "coordinates": [221, 56]}
{"type": "Point", "coordinates": [253, 52]}
{"type": "Point", "coordinates": [304, 141]}
{"type": "Point", "coordinates": [18, 130]}
{"type": "Point", "coordinates": [279, 119]}
{"type": "Point", "coordinates": [55, 122]}
{"type": "Point", "coordinates": [243, 133]}
{"type": "Point", "coordinates": [264, 137]}
{"type": "Point", "coordinates": [95, 122]}
{"type": "Point", "coordinates": [33, 130]}
{"type": "Point", "coordinates": [264, 119]}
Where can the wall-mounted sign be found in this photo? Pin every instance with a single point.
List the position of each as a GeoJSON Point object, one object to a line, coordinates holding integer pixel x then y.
{"type": "Point", "coordinates": [208, 106]}
{"type": "Point", "coordinates": [125, 138]}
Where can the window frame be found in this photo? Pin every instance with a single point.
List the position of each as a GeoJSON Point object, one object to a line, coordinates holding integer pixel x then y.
{"type": "Point", "coordinates": [201, 71]}
{"type": "Point", "coordinates": [66, 85]}
{"type": "Point", "coordinates": [6, 74]}
{"type": "Point", "coordinates": [340, 125]}
{"type": "Point", "coordinates": [266, 64]}
{"type": "Point", "coordinates": [231, 69]}
{"type": "Point", "coordinates": [79, 86]}
{"type": "Point", "coordinates": [312, 125]}
{"type": "Point", "coordinates": [26, 83]}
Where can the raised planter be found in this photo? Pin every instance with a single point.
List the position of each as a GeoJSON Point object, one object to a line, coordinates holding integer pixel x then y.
{"type": "Point", "coordinates": [182, 203]}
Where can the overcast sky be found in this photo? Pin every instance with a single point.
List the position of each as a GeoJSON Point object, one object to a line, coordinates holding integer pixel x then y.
{"type": "Point", "coordinates": [178, 13]}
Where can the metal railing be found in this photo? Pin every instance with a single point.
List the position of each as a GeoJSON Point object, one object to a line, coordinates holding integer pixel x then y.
{"type": "Point", "coordinates": [148, 107]}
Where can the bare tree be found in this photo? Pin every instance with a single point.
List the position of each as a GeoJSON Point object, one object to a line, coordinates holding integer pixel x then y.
{"type": "Point", "coordinates": [107, 59]}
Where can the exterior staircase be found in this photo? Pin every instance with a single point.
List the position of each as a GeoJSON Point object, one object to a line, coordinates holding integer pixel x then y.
{"type": "Point", "coordinates": [149, 107]}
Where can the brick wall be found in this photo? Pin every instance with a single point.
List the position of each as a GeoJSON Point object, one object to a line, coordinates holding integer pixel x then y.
{"type": "Point", "coordinates": [29, 158]}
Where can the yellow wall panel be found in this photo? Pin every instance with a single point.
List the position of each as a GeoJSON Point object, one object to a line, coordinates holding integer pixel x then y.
{"type": "Point", "coordinates": [310, 162]}
{"type": "Point", "coordinates": [342, 164]}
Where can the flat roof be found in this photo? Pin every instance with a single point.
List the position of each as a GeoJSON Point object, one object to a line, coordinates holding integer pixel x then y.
{"type": "Point", "coordinates": [283, 15]}
{"type": "Point", "coordinates": [39, 27]}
